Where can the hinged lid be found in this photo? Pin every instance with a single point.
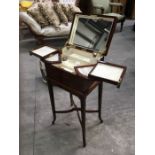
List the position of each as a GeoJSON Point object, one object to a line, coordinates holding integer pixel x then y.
{"type": "Point", "coordinates": [92, 32]}
{"type": "Point", "coordinates": [48, 54]}
{"type": "Point", "coordinates": [102, 71]}
{"type": "Point", "coordinates": [43, 52]}
{"type": "Point", "coordinates": [107, 72]}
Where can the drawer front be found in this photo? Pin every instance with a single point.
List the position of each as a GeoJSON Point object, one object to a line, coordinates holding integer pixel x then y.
{"type": "Point", "coordinates": [68, 79]}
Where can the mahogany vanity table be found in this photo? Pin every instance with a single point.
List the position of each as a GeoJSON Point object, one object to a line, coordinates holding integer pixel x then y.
{"type": "Point", "coordinates": [77, 68]}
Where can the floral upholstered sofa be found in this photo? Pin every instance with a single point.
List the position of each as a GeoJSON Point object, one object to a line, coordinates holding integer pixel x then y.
{"type": "Point", "coordinates": [49, 19]}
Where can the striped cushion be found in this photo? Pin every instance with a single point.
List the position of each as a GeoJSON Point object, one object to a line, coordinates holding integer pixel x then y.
{"type": "Point", "coordinates": [50, 14]}
{"type": "Point", "coordinates": [34, 11]}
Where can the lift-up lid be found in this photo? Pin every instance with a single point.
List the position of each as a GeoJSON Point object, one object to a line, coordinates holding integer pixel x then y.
{"type": "Point", "coordinates": [103, 71]}
{"type": "Point", "coordinates": [92, 32]}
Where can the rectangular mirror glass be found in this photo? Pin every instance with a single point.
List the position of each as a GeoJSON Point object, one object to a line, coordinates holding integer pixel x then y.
{"type": "Point", "coordinates": [92, 32]}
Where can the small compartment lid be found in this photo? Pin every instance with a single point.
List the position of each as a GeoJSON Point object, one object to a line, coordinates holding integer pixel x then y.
{"type": "Point", "coordinates": [110, 73]}
{"type": "Point", "coordinates": [43, 52]}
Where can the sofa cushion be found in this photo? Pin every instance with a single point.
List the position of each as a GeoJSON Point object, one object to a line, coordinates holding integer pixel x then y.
{"type": "Point", "coordinates": [34, 11]}
{"type": "Point", "coordinates": [101, 3]}
{"type": "Point", "coordinates": [49, 13]}
{"type": "Point", "coordinates": [61, 14]}
{"type": "Point", "coordinates": [50, 31]}
{"type": "Point", "coordinates": [74, 9]}
{"type": "Point", "coordinates": [66, 9]}
{"type": "Point", "coordinates": [70, 10]}
{"type": "Point", "coordinates": [118, 16]}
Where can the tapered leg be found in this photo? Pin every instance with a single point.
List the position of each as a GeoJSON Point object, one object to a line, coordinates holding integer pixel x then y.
{"type": "Point", "coordinates": [122, 23]}
{"type": "Point", "coordinates": [50, 87]}
{"type": "Point", "coordinates": [43, 73]}
{"type": "Point", "coordinates": [100, 87]}
{"type": "Point", "coordinates": [71, 99]}
{"type": "Point", "coordinates": [83, 120]}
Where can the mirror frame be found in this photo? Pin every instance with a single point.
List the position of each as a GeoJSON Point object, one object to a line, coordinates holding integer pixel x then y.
{"type": "Point", "coordinates": [74, 27]}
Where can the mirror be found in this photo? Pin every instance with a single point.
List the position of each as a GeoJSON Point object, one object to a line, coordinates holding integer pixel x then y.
{"type": "Point", "coordinates": [92, 32]}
